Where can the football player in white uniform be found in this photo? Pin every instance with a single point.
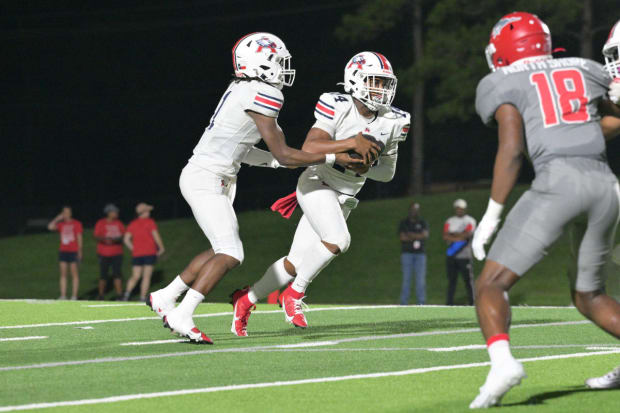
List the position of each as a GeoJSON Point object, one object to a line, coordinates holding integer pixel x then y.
{"type": "Point", "coordinates": [326, 193]}
{"type": "Point", "coordinates": [611, 128]}
{"type": "Point", "coordinates": [246, 113]}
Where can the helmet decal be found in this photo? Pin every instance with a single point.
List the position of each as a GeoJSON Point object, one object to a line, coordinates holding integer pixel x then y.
{"type": "Point", "coordinates": [265, 42]}
{"type": "Point", "coordinates": [497, 29]}
{"type": "Point", "coordinates": [385, 65]}
{"type": "Point", "coordinates": [359, 61]}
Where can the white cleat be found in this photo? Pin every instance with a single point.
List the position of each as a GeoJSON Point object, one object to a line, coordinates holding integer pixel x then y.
{"type": "Point", "coordinates": [158, 304]}
{"type": "Point", "coordinates": [610, 380]}
{"type": "Point", "coordinates": [185, 327]}
{"type": "Point", "coordinates": [500, 380]}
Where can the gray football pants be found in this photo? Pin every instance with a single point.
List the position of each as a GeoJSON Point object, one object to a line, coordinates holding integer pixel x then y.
{"type": "Point", "coordinates": [564, 189]}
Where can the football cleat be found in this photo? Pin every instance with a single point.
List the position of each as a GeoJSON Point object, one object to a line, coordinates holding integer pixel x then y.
{"type": "Point", "coordinates": [242, 308]}
{"type": "Point", "coordinates": [158, 304]}
{"type": "Point", "coordinates": [185, 327]}
{"type": "Point", "coordinates": [282, 293]}
{"type": "Point", "coordinates": [500, 380]}
{"type": "Point", "coordinates": [293, 306]}
{"type": "Point", "coordinates": [610, 380]}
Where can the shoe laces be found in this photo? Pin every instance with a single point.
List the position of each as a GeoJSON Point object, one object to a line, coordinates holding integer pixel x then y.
{"type": "Point", "coordinates": [299, 306]}
{"type": "Point", "coordinates": [614, 374]}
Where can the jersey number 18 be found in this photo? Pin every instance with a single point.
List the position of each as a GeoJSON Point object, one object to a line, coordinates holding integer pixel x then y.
{"type": "Point", "coordinates": [568, 93]}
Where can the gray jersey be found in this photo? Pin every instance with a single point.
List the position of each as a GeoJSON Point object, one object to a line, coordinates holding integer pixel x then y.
{"type": "Point", "coordinates": [557, 99]}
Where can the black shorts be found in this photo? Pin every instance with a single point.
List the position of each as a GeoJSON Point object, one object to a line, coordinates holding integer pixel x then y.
{"type": "Point", "coordinates": [64, 256]}
{"type": "Point", "coordinates": [105, 263]}
{"type": "Point", "coordinates": [144, 260]}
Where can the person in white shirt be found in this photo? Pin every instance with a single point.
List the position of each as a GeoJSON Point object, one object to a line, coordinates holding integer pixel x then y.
{"type": "Point", "coordinates": [246, 113]}
{"type": "Point", "coordinates": [457, 233]}
{"type": "Point", "coordinates": [326, 193]}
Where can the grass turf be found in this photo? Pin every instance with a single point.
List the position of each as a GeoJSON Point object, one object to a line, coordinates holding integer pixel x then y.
{"type": "Point", "coordinates": [368, 273]}
{"type": "Point", "coordinates": [340, 342]}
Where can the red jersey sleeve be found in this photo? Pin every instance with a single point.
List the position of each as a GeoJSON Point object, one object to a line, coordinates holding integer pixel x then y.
{"type": "Point", "coordinates": [79, 228]}
{"type": "Point", "coordinates": [98, 229]}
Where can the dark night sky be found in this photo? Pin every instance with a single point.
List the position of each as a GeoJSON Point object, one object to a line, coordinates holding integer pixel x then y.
{"type": "Point", "coordinates": [106, 102]}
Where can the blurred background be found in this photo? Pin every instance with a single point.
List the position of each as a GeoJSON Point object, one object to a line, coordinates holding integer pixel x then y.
{"type": "Point", "coordinates": [104, 102]}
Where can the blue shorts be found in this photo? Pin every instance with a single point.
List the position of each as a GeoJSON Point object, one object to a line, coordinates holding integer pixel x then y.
{"type": "Point", "coordinates": [144, 260]}
{"type": "Point", "coordinates": [64, 256]}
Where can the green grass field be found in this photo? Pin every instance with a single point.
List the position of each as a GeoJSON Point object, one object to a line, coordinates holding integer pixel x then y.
{"type": "Point", "coordinates": [352, 358]}
{"type": "Point", "coordinates": [368, 273]}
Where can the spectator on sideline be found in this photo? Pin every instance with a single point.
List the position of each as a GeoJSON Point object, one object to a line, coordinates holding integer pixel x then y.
{"type": "Point", "coordinates": [145, 243]}
{"type": "Point", "coordinates": [457, 232]}
{"type": "Point", "coordinates": [109, 235]}
{"type": "Point", "coordinates": [70, 253]}
{"type": "Point", "coordinates": [413, 232]}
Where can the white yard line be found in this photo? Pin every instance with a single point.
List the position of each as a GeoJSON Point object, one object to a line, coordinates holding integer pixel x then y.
{"type": "Point", "coordinates": [250, 349]}
{"type": "Point", "coordinates": [225, 314]}
{"type": "Point", "coordinates": [113, 305]}
{"type": "Point", "coordinates": [215, 389]}
{"type": "Point", "coordinates": [23, 338]}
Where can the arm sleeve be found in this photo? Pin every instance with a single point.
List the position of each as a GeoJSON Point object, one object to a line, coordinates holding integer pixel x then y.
{"type": "Point", "coordinates": [325, 113]}
{"type": "Point", "coordinates": [263, 98]}
{"type": "Point", "coordinates": [385, 168]}
{"type": "Point", "coordinates": [259, 157]}
{"type": "Point", "coordinates": [79, 228]}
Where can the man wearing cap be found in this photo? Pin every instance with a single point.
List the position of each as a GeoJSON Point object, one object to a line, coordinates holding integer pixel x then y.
{"type": "Point", "coordinates": [457, 232]}
{"type": "Point", "coordinates": [145, 243]}
{"type": "Point", "coordinates": [413, 232]}
{"type": "Point", "coordinates": [109, 235]}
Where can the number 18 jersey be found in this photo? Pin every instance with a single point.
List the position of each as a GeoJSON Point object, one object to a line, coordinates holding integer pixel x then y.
{"type": "Point", "coordinates": [557, 99]}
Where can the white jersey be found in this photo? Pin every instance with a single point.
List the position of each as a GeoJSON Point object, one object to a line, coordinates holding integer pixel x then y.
{"type": "Point", "coordinates": [336, 114]}
{"type": "Point", "coordinates": [232, 133]}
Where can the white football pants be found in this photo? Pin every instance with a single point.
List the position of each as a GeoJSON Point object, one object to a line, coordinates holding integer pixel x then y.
{"type": "Point", "coordinates": [211, 198]}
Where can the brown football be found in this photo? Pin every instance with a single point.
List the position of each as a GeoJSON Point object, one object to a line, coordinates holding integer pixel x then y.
{"type": "Point", "coordinates": [371, 138]}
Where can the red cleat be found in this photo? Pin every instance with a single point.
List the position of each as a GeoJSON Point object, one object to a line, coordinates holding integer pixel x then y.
{"type": "Point", "coordinates": [242, 308]}
{"type": "Point", "coordinates": [280, 296]}
{"type": "Point", "coordinates": [292, 304]}
{"type": "Point", "coordinates": [185, 327]}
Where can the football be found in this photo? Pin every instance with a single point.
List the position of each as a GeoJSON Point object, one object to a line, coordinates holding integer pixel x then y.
{"type": "Point", "coordinates": [371, 138]}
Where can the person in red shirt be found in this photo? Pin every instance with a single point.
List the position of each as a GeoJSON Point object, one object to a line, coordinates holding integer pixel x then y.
{"type": "Point", "coordinates": [109, 235]}
{"type": "Point", "coordinates": [145, 243]}
{"type": "Point", "coordinates": [70, 253]}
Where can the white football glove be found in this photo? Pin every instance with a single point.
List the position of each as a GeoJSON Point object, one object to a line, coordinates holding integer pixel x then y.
{"type": "Point", "coordinates": [486, 228]}
{"type": "Point", "coordinates": [614, 91]}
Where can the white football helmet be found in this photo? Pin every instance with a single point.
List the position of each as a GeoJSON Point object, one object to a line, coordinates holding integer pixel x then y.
{"type": "Point", "coordinates": [611, 51]}
{"type": "Point", "coordinates": [264, 56]}
{"type": "Point", "coordinates": [369, 78]}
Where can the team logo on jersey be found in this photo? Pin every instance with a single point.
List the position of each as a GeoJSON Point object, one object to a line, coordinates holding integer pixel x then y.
{"type": "Point", "coordinates": [497, 29]}
{"type": "Point", "coordinates": [359, 61]}
{"type": "Point", "coordinates": [266, 42]}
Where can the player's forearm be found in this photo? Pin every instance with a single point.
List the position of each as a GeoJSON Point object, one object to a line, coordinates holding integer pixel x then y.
{"type": "Point", "coordinates": [328, 146]}
{"type": "Point", "coordinates": [288, 156]}
{"type": "Point", "coordinates": [610, 125]}
{"type": "Point", "coordinates": [505, 174]}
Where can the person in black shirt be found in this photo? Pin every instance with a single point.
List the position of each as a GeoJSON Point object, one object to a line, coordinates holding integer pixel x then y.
{"type": "Point", "coordinates": [413, 231]}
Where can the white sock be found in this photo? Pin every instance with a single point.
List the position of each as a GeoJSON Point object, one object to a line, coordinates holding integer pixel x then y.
{"type": "Point", "coordinates": [173, 290]}
{"type": "Point", "coordinates": [190, 302]}
{"type": "Point", "coordinates": [499, 351]}
{"type": "Point", "coordinates": [274, 278]}
{"type": "Point", "coordinates": [315, 259]}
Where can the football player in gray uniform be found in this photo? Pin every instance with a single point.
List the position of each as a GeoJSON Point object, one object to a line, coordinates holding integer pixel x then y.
{"type": "Point", "coordinates": [550, 109]}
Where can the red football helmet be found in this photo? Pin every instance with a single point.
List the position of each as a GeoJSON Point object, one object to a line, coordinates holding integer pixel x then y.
{"type": "Point", "coordinates": [516, 36]}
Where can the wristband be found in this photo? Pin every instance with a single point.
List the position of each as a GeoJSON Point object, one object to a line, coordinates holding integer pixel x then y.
{"type": "Point", "coordinates": [494, 210]}
{"type": "Point", "coordinates": [330, 159]}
